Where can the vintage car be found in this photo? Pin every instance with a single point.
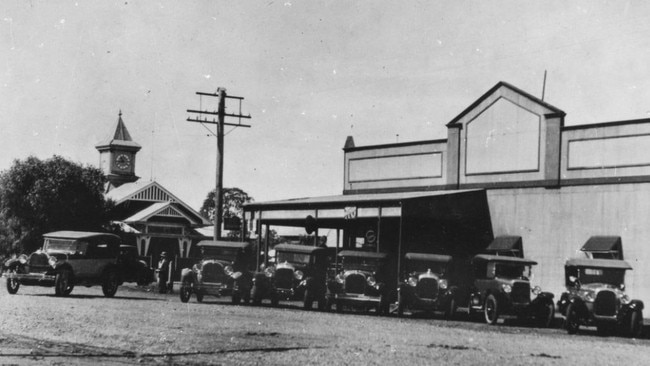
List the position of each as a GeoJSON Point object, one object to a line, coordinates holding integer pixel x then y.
{"type": "Point", "coordinates": [596, 297]}
{"type": "Point", "coordinates": [133, 268]}
{"type": "Point", "coordinates": [426, 285]}
{"type": "Point", "coordinates": [361, 282]}
{"type": "Point", "coordinates": [223, 270]}
{"type": "Point", "coordinates": [299, 272]}
{"type": "Point", "coordinates": [67, 259]}
{"type": "Point", "coordinates": [501, 286]}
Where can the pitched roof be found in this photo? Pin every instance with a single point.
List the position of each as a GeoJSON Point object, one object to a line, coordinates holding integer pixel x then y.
{"type": "Point", "coordinates": [121, 137]}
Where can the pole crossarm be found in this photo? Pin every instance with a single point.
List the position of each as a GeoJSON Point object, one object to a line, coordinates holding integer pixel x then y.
{"type": "Point", "coordinates": [216, 95]}
{"type": "Point", "coordinates": [216, 113]}
{"type": "Point", "coordinates": [216, 122]}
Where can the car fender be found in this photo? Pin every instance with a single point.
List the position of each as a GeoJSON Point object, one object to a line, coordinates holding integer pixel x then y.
{"type": "Point", "coordinates": [60, 266]}
{"type": "Point", "coordinates": [581, 307]}
{"type": "Point", "coordinates": [13, 263]}
{"type": "Point", "coordinates": [188, 275]}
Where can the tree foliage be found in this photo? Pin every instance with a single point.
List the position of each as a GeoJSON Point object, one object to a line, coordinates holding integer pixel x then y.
{"type": "Point", "coordinates": [233, 204]}
{"type": "Point", "coordinates": [39, 196]}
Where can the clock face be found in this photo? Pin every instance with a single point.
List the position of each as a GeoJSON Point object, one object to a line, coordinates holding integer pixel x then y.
{"type": "Point", "coordinates": [123, 162]}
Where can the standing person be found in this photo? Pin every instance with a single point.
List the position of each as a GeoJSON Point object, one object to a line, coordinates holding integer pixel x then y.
{"type": "Point", "coordinates": [163, 273]}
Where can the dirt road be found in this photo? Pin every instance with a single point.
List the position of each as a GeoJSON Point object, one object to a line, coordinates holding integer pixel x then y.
{"type": "Point", "coordinates": [143, 327]}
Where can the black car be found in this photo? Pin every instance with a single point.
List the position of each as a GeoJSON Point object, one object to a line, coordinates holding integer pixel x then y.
{"type": "Point", "coordinates": [299, 272]}
{"type": "Point", "coordinates": [596, 297]}
{"type": "Point", "coordinates": [501, 286]}
{"type": "Point", "coordinates": [223, 270]}
{"type": "Point", "coordinates": [68, 259]}
{"type": "Point", "coordinates": [362, 282]}
{"type": "Point", "coordinates": [426, 284]}
{"type": "Point", "coordinates": [133, 269]}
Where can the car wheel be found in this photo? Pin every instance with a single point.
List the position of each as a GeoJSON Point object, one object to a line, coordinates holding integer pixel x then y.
{"type": "Point", "coordinates": [572, 321]}
{"type": "Point", "coordinates": [400, 305]}
{"type": "Point", "coordinates": [275, 300]}
{"type": "Point", "coordinates": [635, 324]}
{"type": "Point", "coordinates": [199, 296]}
{"type": "Point", "coordinates": [111, 282]}
{"type": "Point", "coordinates": [236, 298]}
{"type": "Point", "coordinates": [246, 297]}
{"type": "Point", "coordinates": [256, 295]}
{"type": "Point", "coordinates": [186, 291]}
{"type": "Point", "coordinates": [308, 299]}
{"type": "Point", "coordinates": [339, 306]}
{"type": "Point", "coordinates": [322, 303]}
{"type": "Point", "coordinates": [450, 310]}
{"type": "Point", "coordinates": [491, 309]}
{"type": "Point", "coordinates": [12, 284]}
{"type": "Point", "coordinates": [545, 315]}
{"type": "Point", "coordinates": [62, 286]}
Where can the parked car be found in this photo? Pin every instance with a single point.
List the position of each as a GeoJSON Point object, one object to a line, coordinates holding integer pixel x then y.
{"type": "Point", "coordinates": [425, 284]}
{"type": "Point", "coordinates": [361, 282]}
{"type": "Point", "coordinates": [223, 270]}
{"type": "Point", "coordinates": [133, 268]}
{"type": "Point", "coordinates": [299, 272]}
{"type": "Point", "coordinates": [502, 287]}
{"type": "Point", "coordinates": [596, 297]}
{"type": "Point", "coordinates": [68, 259]}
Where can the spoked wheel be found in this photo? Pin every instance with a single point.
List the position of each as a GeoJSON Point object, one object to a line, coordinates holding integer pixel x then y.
{"type": "Point", "coordinates": [491, 310]}
{"type": "Point", "coordinates": [186, 291]}
{"type": "Point", "coordinates": [199, 296]}
{"type": "Point", "coordinates": [12, 284]}
{"type": "Point", "coordinates": [544, 318]}
{"type": "Point", "coordinates": [635, 324]}
{"type": "Point", "coordinates": [63, 283]}
{"type": "Point", "coordinates": [111, 282]}
{"type": "Point", "coordinates": [572, 321]}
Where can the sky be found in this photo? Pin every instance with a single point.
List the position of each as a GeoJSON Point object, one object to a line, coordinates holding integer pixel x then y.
{"type": "Point", "coordinates": [311, 72]}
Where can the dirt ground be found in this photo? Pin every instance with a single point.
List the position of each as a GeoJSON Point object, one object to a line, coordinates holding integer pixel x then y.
{"type": "Point", "coordinates": [139, 326]}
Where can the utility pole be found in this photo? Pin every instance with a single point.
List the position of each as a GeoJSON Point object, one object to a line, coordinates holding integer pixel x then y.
{"type": "Point", "coordinates": [220, 123]}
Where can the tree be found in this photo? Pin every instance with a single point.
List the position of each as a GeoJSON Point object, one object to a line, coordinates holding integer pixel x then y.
{"type": "Point", "coordinates": [39, 196]}
{"type": "Point", "coordinates": [233, 205]}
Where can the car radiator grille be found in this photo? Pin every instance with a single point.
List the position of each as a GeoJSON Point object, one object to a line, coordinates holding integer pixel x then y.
{"type": "Point", "coordinates": [520, 292]}
{"type": "Point", "coordinates": [212, 272]}
{"type": "Point", "coordinates": [355, 284]}
{"type": "Point", "coordinates": [284, 278]}
{"type": "Point", "coordinates": [427, 288]}
{"type": "Point", "coordinates": [605, 303]}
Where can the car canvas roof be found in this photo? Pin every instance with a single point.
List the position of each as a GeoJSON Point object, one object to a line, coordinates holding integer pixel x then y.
{"type": "Point", "coordinates": [76, 234]}
{"type": "Point", "coordinates": [598, 263]}
{"type": "Point", "coordinates": [362, 254]}
{"type": "Point", "coordinates": [297, 248]}
{"type": "Point", "coordinates": [223, 244]}
{"type": "Point", "coordinates": [428, 257]}
{"type": "Point", "coordinates": [504, 259]}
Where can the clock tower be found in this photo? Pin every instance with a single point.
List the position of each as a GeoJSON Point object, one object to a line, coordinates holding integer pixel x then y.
{"type": "Point", "coordinates": [117, 156]}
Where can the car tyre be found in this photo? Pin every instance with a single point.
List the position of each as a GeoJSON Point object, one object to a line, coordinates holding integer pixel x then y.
{"type": "Point", "coordinates": [545, 315]}
{"type": "Point", "coordinates": [275, 299]}
{"type": "Point", "coordinates": [236, 298]}
{"type": "Point", "coordinates": [572, 321]}
{"type": "Point", "coordinates": [199, 296]}
{"type": "Point", "coordinates": [256, 296]}
{"type": "Point", "coordinates": [186, 291]}
{"type": "Point", "coordinates": [400, 305]}
{"type": "Point", "coordinates": [12, 284]}
{"type": "Point", "coordinates": [111, 282]}
{"type": "Point", "coordinates": [635, 324]}
{"type": "Point", "coordinates": [62, 285]}
{"type": "Point", "coordinates": [339, 306]}
{"type": "Point", "coordinates": [246, 297]}
{"type": "Point", "coordinates": [450, 310]}
{"type": "Point", "coordinates": [491, 309]}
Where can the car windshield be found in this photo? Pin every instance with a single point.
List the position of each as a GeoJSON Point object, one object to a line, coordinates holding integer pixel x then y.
{"type": "Point", "coordinates": [219, 252]}
{"type": "Point", "coordinates": [610, 276]}
{"type": "Point", "coordinates": [361, 263]}
{"type": "Point", "coordinates": [511, 271]}
{"type": "Point", "coordinates": [65, 246]}
{"type": "Point", "coordinates": [424, 266]}
{"type": "Point", "coordinates": [293, 258]}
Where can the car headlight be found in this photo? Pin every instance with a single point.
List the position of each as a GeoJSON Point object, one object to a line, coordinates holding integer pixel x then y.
{"type": "Point", "coordinates": [228, 270]}
{"type": "Point", "coordinates": [298, 275]}
{"type": "Point", "coordinates": [340, 278]}
{"type": "Point", "coordinates": [625, 299]}
{"type": "Point", "coordinates": [52, 261]}
{"type": "Point", "coordinates": [506, 288]}
{"type": "Point", "coordinates": [442, 284]}
{"type": "Point", "coordinates": [269, 271]}
{"type": "Point", "coordinates": [588, 295]}
{"type": "Point", "coordinates": [412, 281]}
{"type": "Point", "coordinates": [371, 281]}
{"type": "Point", "coordinates": [22, 259]}
{"type": "Point", "coordinates": [536, 290]}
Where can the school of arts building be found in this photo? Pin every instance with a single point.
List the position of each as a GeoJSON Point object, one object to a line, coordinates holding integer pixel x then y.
{"type": "Point", "coordinates": [154, 218]}
{"type": "Point", "coordinates": [508, 166]}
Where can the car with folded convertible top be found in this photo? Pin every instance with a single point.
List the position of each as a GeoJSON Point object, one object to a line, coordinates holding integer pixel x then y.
{"type": "Point", "coordinates": [68, 259]}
